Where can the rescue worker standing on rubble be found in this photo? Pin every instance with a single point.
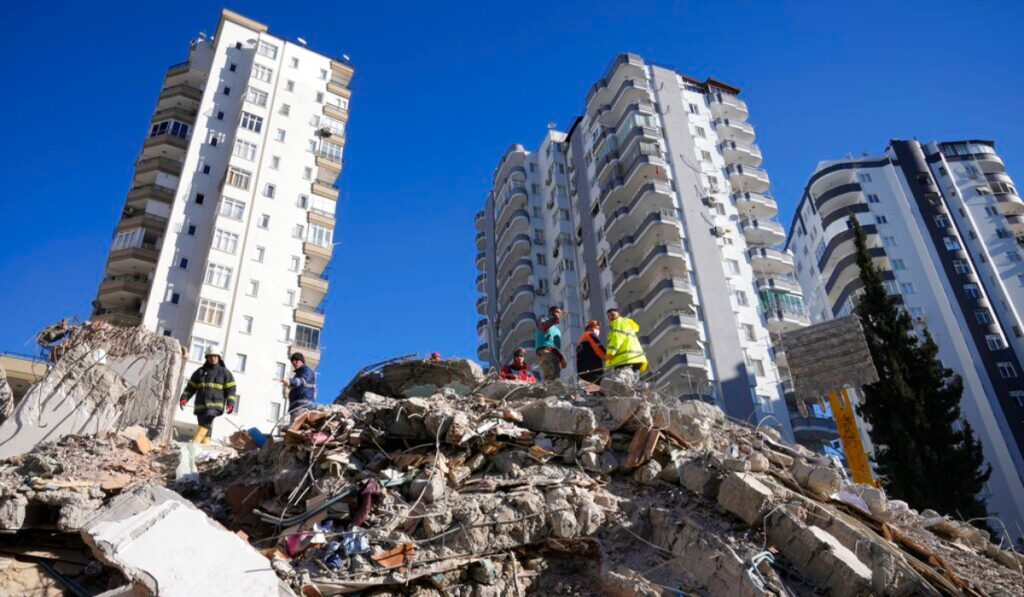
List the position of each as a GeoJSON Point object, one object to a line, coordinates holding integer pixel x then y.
{"type": "Point", "coordinates": [518, 370]}
{"type": "Point", "coordinates": [624, 350]}
{"type": "Point", "coordinates": [214, 388]}
{"type": "Point", "coordinates": [302, 392]}
{"type": "Point", "coordinates": [590, 353]}
{"type": "Point", "coordinates": [548, 340]}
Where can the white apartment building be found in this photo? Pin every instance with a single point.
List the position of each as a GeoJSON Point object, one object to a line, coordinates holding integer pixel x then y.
{"type": "Point", "coordinates": [227, 229]}
{"type": "Point", "coordinates": [944, 224]}
{"type": "Point", "coordinates": [526, 257]}
{"type": "Point", "coordinates": [673, 224]}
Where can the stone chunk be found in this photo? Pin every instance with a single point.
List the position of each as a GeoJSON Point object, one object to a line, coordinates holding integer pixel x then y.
{"type": "Point", "coordinates": [758, 462]}
{"type": "Point", "coordinates": [824, 481]}
{"type": "Point", "coordinates": [552, 415]}
{"type": "Point", "coordinates": [697, 478]}
{"type": "Point", "coordinates": [702, 410]}
{"type": "Point", "coordinates": [745, 497]}
{"type": "Point", "coordinates": [648, 473]}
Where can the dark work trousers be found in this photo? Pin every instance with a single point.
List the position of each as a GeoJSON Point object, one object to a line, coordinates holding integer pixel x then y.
{"type": "Point", "coordinates": [206, 418]}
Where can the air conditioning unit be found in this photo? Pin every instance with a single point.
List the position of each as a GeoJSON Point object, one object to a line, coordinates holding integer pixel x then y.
{"type": "Point", "coordinates": [541, 291]}
{"type": "Point", "coordinates": [708, 200]}
{"type": "Point", "coordinates": [718, 231]}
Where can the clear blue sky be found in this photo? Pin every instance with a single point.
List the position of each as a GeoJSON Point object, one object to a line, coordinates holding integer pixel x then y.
{"type": "Point", "coordinates": [438, 94]}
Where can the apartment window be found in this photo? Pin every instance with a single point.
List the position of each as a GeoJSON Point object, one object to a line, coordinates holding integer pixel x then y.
{"type": "Point", "coordinates": [286, 333]}
{"type": "Point", "coordinates": [1006, 370]}
{"type": "Point", "coordinates": [285, 110]}
{"type": "Point", "coordinates": [168, 333]}
{"type": "Point", "coordinates": [820, 250]}
{"type": "Point", "coordinates": [262, 73]}
{"type": "Point", "coordinates": [1013, 256]}
{"type": "Point", "coordinates": [233, 67]}
{"type": "Point", "coordinates": [263, 222]}
{"type": "Point", "coordinates": [220, 115]}
{"type": "Point", "coordinates": [570, 265]}
{"type": "Point", "coordinates": [907, 288]}
{"type": "Point", "coordinates": [732, 266]}
{"type": "Point", "coordinates": [275, 162]}
{"type": "Point", "coordinates": [994, 342]}
{"type": "Point", "coordinates": [542, 259]}
{"type": "Point", "coordinates": [269, 191]}
{"type": "Point", "coordinates": [916, 312]}
{"type": "Point", "coordinates": [175, 298]}
{"type": "Point", "coordinates": [252, 122]}
{"type": "Point", "coordinates": [303, 201]}
{"type": "Point", "coordinates": [881, 220]}
{"type": "Point", "coordinates": [254, 288]}
{"type": "Point", "coordinates": [218, 275]}
{"type": "Point", "coordinates": [245, 150]}
{"type": "Point", "coordinates": [191, 230]}
{"type": "Point", "coordinates": [246, 324]}
{"type": "Point", "coordinates": [210, 312]}
{"type": "Point", "coordinates": [961, 266]}
{"type": "Point", "coordinates": [183, 263]}
{"type": "Point", "coordinates": [311, 146]}
{"type": "Point", "coordinates": [693, 108]}
{"type": "Point", "coordinates": [319, 97]}
{"type": "Point", "coordinates": [289, 298]}
{"type": "Point", "coordinates": [898, 264]}
{"type": "Point", "coordinates": [289, 86]}
{"type": "Point", "coordinates": [295, 63]}
{"type": "Point", "coordinates": [199, 198]}
{"type": "Point", "coordinates": [267, 49]}
{"type": "Point", "coordinates": [279, 135]}
{"type": "Point", "coordinates": [320, 235]}
{"type": "Point", "coordinates": [565, 213]}
{"type": "Point", "coordinates": [227, 90]}
{"type": "Point", "coordinates": [864, 177]}
{"type": "Point", "coordinates": [323, 74]}
{"type": "Point", "coordinates": [982, 316]}
{"type": "Point", "coordinates": [873, 198]}
{"type": "Point", "coordinates": [748, 331]}
{"type": "Point", "coordinates": [213, 140]}
{"type": "Point", "coordinates": [206, 168]}
{"type": "Point", "coordinates": [331, 151]}
{"type": "Point", "coordinates": [891, 287]}
{"type": "Point", "coordinates": [741, 298]}
{"type": "Point", "coordinates": [240, 360]}
{"type": "Point", "coordinates": [705, 155]}
{"type": "Point", "coordinates": [941, 221]}
{"type": "Point", "coordinates": [197, 351]}
{"type": "Point", "coordinates": [700, 132]}
{"type": "Point", "coordinates": [758, 367]}
{"type": "Point", "coordinates": [279, 370]}
{"type": "Point", "coordinates": [1003, 233]}
{"type": "Point", "coordinates": [298, 230]}
{"type": "Point", "coordinates": [239, 178]}
{"type": "Point", "coordinates": [952, 244]}
{"type": "Point", "coordinates": [225, 241]}
{"type": "Point", "coordinates": [293, 264]}
{"type": "Point", "coordinates": [991, 210]}
{"type": "Point", "coordinates": [971, 290]}
{"type": "Point", "coordinates": [169, 127]}
{"type": "Point", "coordinates": [307, 337]}
{"type": "Point", "coordinates": [889, 241]}
{"type": "Point", "coordinates": [256, 96]}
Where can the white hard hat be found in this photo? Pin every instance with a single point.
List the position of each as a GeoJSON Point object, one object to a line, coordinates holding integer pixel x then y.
{"type": "Point", "coordinates": [212, 351]}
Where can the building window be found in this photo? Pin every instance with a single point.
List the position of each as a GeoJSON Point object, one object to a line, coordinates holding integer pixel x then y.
{"type": "Point", "coordinates": [741, 298]}
{"type": "Point", "coordinates": [916, 312]}
{"type": "Point", "coordinates": [889, 241]}
{"type": "Point", "coordinates": [279, 370]}
{"type": "Point", "coordinates": [983, 316]}
{"type": "Point", "coordinates": [263, 221]}
{"type": "Point", "coordinates": [319, 97]}
{"type": "Point", "coordinates": [232, 67]}
{"type": "Point", "coordinates": [239, 178]}
{"type": "Point", "coordinates": [293, 264]}
{"type": "Point", "coordinates": [289, 86]}
{"type": "Point", "coordinates": [873, 198]}
{"type": "Point", "coordinates": [1006, 370]}
{"type": "Point", "coordinates": [275, 162]}
{"type": "Point", "coordinates": [298, 230]}
{"type": "Point", "coordinates": [891, 287]}
{"type": "Point", "coordinates": [285, 110]}
{"type": "Point", "coordinates": [700, 132]}
{"type": "Point", "coordinates": [1013, 256]}
{"type": "Point", "coordinates": [197, 351]}
{"type": "Point", "coordinates": [705, 155]}
{"type": "Point", "coordinates": [199, 198]}
{"type": "Point", "coordinates": [748, 331]}
{"type": "Point", "coordinates": [246, 324]}
{"type": "Point", "coordinates": [245, 150]}
{"type": "Point", "coordinates": [1018, 397]}
{"type": "Point", "coordinates": [286, 333]}
{"type": "Point", "coordinates": [952, 244]}
{"type": "Point", "coordinates": [175, 298]}
{"type": "Point", "coordinates": [331, 151]}
{"type": "Point", "coordinates": [898, 264]}
{"type": "Point", "coordinates": [218, 275]}
{"type": "Point", "coordinates": [240, 360]}
{"type": "Point", "coordinates": [864, 177]}
{"type": "Point", "coordinates": [941, 221]}
{"type": "Point", "coordinates": [269, 191]}
{"type": "Point", "coordinates": [971, 290]}
{"type": "Point", "coordinates": [279, 135]}
{"type": "Point", "coordinates": [693, 108]}
{"type": "Point", "coordinates": [254, 288]}
{"type": "Point", "coordinates": [542, 259]}
{"type": "Point", "coordinates": [994, 342]}
{"type": "Point", "coordinates": [307, 337]}
{"type": "Point", "coordinates": [183, 263]}
{"type": "Point", "coordinates": [961, 266]}
{"type": "Point", "coordinates": [907, 288]}
{"type": "Point", "coordinates": [220, 115]}
{"type": "Point", "coordinates": [303, 201]}
{"type": "Point", "coordinates": [252, 122]}
{"type": "Point", "coordinates": [881, 220]}
{"type": "Point", "coordinates": [261, 252]}
{"type": "Point", "coordinates": [267, 49]}
{"type": "Point", "coordinates": [256, 96]}
{"type": "Point", "coordinates": [210, 312]}
{"type": "Point", "coordinates": [732, 266]}
{"type": "Point", "coordinates": [206, 168]}
{"type": "Point", "coordinates": [295, 63]}
{"type": "Point", "coordinates": [758, 367]}
{"type": "Point", "coordinates": [169, 127]}
{"type": "Point", "coordinates": [991, 210]}
{"type": "Point", "coordinates": [289, 298]}
{"type": "Point", "coordinates": [262, 73]}
{"type": "Point", "coordinates": [1003, 233]}
{"type": "Point", "coordinates": [191, 231]}
{"type": "Point", "coordinates": [320, 235]}
{"type": "Point", "coordinates": [225, 241]}
{"type": "Point", "coordinates": [227, 90]}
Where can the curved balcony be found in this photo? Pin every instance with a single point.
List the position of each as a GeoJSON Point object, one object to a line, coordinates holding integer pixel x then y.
{"type": "Point", "coordinates": [618, 191]}
{"type": "Point", "coordinates": [479, 220]}
{"type": "Point", "coordinates": [179, 95]}
{"type": "Point", "coordinates": [481, 260]}
{"type": "Point", "coordinates": [659, 228]}
{"type": "Point", "coordinates": [663, 296]}
{"type": "Point", "coordinates": [483, 353]}
{"type": "Point", "coordinates": [481, 326]}
{"type": "Point", "coordinates": [519, 221]}
{"type": "Point", "coordinates": [625, 66]}
{"type": "Point", "coordinates": [1016, 224]}
{"type": "Point", "coordinates": [770, 261]}
{"type": "Point", "coordinates": [655, 196]}
{"type": "Point", "coordinates": [1010, 204]}
{"type": "Point", "coordinates": [747, 154]}
{"type": "Point", "coordinates": [734, 130]}
{"type": "Point", "coordinates": [132, 260]}
{"type": "Point", "coordinates": [481, 240]}
{"type": "Point", "coordinates": [481, 282]}
{"type": "Point", "coordinates": [830, 177]}
{"type": "Point", "coordinates": [118, 290]}
{"type": "Point", "coordinates": [520, 273]}
{"type": "Point", "coordinates": [630, 92]}
{"type": "Point", "coordinates": [781, 283]}
{"type": "Point", "coordinates": [516, 200]}
{"type": "Point", "coordinates": [517, 333]}
{"type": "Point", "coordinates": [518, 247]}
{"type": "Point", "coordinates": [481, 305]}
{"type": "Point", "coordinates": [990, 162]}
{"type": "Point", "coordinates": [686, 371]}
{"type": "Point", "coordinates": [612, 161]}
{"type": "Point", "coordinates": [514, 158]}
{"type": "Point", "coordinates": [837, 202]}
{"type": "Point", "coordinates": [520, 300]}
{"type": "Point", "coordinates": [755, 205]}
{"type": "Point", "coordinates": [674, 330]}
{"type": "Point", "coordinates": [814, 429]}
{"type": "Point", "coordinates": [783, 312]}
{"type": "Point", "coordinates": [843, 244]}
{"type": "Point", "coordinates": [726, 105]}
{"type": "Point", "coordinates": [147, 169]}
{"type": "Point", "coordinates": [762, 232]}
{"type": "Point", "coordinates": [839, 273]}
{"type": "Point", "coordinates": [748, 178]}
{"type": "Point", "coordinates": [665, 261]}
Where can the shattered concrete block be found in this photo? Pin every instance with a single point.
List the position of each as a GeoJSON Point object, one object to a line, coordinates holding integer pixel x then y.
{"type": "Point", "coordinates": [591, 461]}
{"type": "Point", "coordinates": [424, 377]}
{"type": "Point", "coordinates": [552, 415]}
{"type": "Point", "coordinates": [698, 478]}
{"type": "Point", "coordinates": [745, 497]}
{"type": "Point", "coordinates": [164, 545]}
{"type": "Point", "coordinates": [758, 462]}
{"type": "Point", "coordinates": [648, 473]}
{"type": "Point", "coordinates": [873, 497]}
{"type": "Point", "coordinates": [783, 460]}
{"type": "Point", "coordinates": [13, 512]}
{"type": "Point", "coordinates": [563, 524]}
{"type": "Point", "coordinates": [432, 487]}
{"type": "Point", "coordinates": [590, 517]}
{"type": "Point", "coordinates": [824, 481]}
{"type": "Point", "coordinates": [702, 410]}
{"type": "Point", "coordinates": [736, 464]}
{"type": "Point", "coordinates": [614, 386]}
{"type": "Point", "coordinates": [836, 567]}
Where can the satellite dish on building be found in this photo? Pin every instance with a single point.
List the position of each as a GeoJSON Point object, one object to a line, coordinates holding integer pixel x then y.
{"type": "Point", "coordinates": [552, 126]}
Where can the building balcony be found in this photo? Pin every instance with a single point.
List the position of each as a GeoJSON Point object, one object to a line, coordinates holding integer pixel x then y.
{"type": "Point", "coordinates": [658, 231]}
{"type": "Point", "coordinates": [321, 218]}
{"type": "Point", "coordinates": [662, 297]}
{"type": "Point", "coordinates": [138, 196]}
{"type": "Point", "coordinates": [514, 199]}
{"type": "Point", "coordinates": [674, 330]}
{"type": "Point", "coordinates": [309, 315]}
{"type": "Point", "coordinates": [1010, 204]}
{"type": "Point", "coordinates": [311, 353]}
{"type": "Point", "coordinates": [181, 94]}
{"type": "Point", "coordinates": [177, 70]}
{"type": "Point", "coordinates": [814, 430]}
{"type": "Point", "coordinates": [782, 283]}
{"type": "Point", "coordinates": [665, 261]}
{"type": "Point", "coordinates": [686, 371]}
{"type": "Point", "coordinates": [328, 164]}
{"type": "Point", "coordinates": [481, 305]}
{"type": "Point", "coordinates": [618, 192]}
{"type": "Point", "coordinates": [150, 167]}
{"type": "Point", "coordinates": [625, 66]}
{"type": "Point", "coordinates": [481, 282]}
{"type": "Point", "coordinates": [317, 251]}
{"type": "Point", "coordinates": [518, 222]}
{"type": "Point", "coordinates": [165, 145]}
{"type": "Point", "coordinates": [1016, 224]}
{"type": "Point", "coordinates": [728, 106]}
{"type": "Point", "coordinates": [519, 274]}
{"type": "Point", "coordinates": [747, 154]}
{"type": "Point", "coordinates": [479, 220]}
{"type": "Point", "coordinates": [514, 160]}
{"type": "Point", "coordinates": [762, 232]}
{"type": "Point", "coordinates": [782, 311]}
{"type": "Point", "coordinates": [779, 322]}
{"type": "Point", "coordinates": [313, 284]}
{"type": "Point", "coordinates": [339, 89]}
{"type": "Point", "coordinates": [990, 162]}
{"type": "Point", "coordinates": [766, 260]}
{"type": "Point", "coordinates": [830, 177]}
{"type": "Point", "coordinates": [517, 330]}
{"type": "Point", "coordinates": [181, 114]}
{"type": "Point", "coordinates": [324, 188]}
{"type": "Point", "coordinates": [755, 205]}
{"type": "Point", "coordinates": [630, 92]}
{"type": "Point", "coordinates": [133, 260]}
{"type": "Point", "coordinates": [121, 317]}
{"type": "Point", "coordinates": [481, 260]}
{"type": "Point", "coordinates": [650, 198]}
{"type": "Point", "coordinates": [122, 289]}
{"type": "Point", "coordinates": [518, 248]}
{"type": "Point", "coordinates": [779, 354]}
{"type": "Point", "coordinates": [641, 141]}
{"type": "Point", "coordinates": [335, 112]}
{"type": "Point", "coordinates": [748, 178]}
{"type": "Point", "coordinates": [734, 130]}
{"type": "Point", "coordinates": [480, 240]}
{"type": "Point", "coordinates": [132, 219]}
{"type": "Point", "coordinates": [481, 326]}
{"type": "Point", "coordinates": [520, 300]}
{"type": "Point", "coordinates": [483, 353]}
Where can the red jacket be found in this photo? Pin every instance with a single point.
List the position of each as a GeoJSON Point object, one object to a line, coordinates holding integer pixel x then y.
{"type": "Point", "coordinates": [513, 373]}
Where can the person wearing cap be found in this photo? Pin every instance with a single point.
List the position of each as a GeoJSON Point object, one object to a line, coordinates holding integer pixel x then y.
{"type": "Point", "coordinates": [435, 356]}
{"type": "Point", "coordinates": [302, 387]}
{"type": "Point", "coordinates": [518, 370]}
{"type": "Point", "coordinates": [624, 350]}
{"type": "Point", "coordinates": [548, 340]}
{"type": "Point", "coordinates": [214, 389]}
{"type": "Point", "coordinates": [590, 353]}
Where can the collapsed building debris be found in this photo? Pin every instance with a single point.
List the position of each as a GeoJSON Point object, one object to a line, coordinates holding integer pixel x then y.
{"type": "Point", "coordinates": [499, 488]}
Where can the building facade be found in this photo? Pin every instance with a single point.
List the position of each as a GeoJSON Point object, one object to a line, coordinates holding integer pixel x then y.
{"type": "Point", "coordinates": [227, 228]}
{"type": "Point", "coordinates": [944, 224]}
{"type": "Point", "coordinates": [672, 223]}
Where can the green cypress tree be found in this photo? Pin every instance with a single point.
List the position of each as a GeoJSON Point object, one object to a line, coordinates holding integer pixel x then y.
{"type": "Point", "coordinates": [925, 453]}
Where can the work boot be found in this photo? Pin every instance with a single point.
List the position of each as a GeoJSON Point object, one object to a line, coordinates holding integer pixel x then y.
{"type": "Point", "coordinates": [200, 435]}
{"type": "Point", "coordinates": [206, 440]}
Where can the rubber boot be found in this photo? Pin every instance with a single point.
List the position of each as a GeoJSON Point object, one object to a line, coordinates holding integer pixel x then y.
{"type": "Point", "coordinates": [200, 436]}
{"type": "Point", "coordinates": [206, 440]}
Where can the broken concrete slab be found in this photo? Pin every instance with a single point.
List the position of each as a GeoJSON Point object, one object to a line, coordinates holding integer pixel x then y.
{"type": "Point", "coordinates": [107, 378]}
{"type": "Point", "coordinates": [166, 546]}
{"type": "Point", "coordinates": [553, 415]}
{"type": "Point", "coordinates": [745, 497]}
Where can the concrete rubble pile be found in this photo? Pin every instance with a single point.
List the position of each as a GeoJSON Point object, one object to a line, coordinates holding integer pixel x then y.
{"type": "Point", "coordinates": [428, 478]}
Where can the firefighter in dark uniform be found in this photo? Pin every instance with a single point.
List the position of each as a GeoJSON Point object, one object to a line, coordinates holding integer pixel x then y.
{"type": "Point", "coordinates": [214, 389]}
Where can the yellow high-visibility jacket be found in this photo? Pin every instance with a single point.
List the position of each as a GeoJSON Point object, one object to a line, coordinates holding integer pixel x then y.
{"type": "Point", "coordinates": [623, 344]}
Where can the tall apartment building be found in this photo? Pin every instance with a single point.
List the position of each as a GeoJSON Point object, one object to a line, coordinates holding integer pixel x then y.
{"type": "Point", "coordinates": [672, 224]}
{"type": "Point", "coordinates": [526, 255]}
{"type": "Point", "coordinates": [945, 225]}
{"type": "Point", "coordinates": [227, 228]}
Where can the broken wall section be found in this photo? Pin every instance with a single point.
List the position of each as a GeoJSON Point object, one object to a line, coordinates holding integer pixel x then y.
{"type": "Point", "coordinates": [106, 378]}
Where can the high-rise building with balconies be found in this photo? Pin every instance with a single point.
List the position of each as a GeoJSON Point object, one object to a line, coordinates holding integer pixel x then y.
{"type": "Point", "coordinates": [226, 231]}
{"type": "Point", "coordinates": [672, 223]}
{"type": "Point", "coordinates": [944, 224]}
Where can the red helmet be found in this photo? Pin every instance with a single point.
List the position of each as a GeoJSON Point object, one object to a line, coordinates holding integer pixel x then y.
{"type": "Point", "coordinates": [435, 356]}
{"type": "Point", "coordinates": [519, 352]}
